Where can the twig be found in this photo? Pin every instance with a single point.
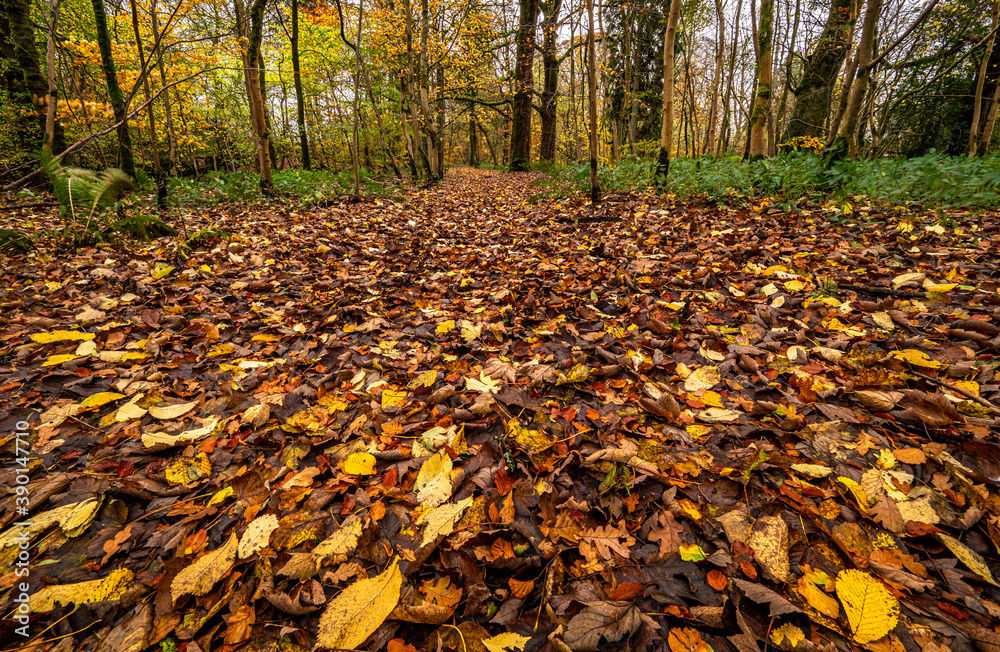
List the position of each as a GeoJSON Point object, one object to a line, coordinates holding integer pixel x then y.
{"type": "Point", "coordinates": [37, 204]}
{"type": "Point", "coordinates": [957, 390]}
{"type": "Point", "coordinates": [885, 292]}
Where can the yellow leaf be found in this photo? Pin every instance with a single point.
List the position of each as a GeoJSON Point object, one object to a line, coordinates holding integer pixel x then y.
{"type": "Point", "coordinates": [968, 557]}
{"type": "Point", "coordinates": [360, 464]}
{"type": "Point", "coordinates": [908, 279]}
{"type": "Point", "coordinates": [188, 469]}
{"type": "Point", "coordinates": [508, 641]}
{"type": "Point", "coordinates": [201, 576]}
{"type": "Point", "coordinates": [711, 399]}
{"type": "Point", "coordinates": [872, 611]}
{"type": "Point", "coordinates": [391, 398]}
{"type": "Point", "coordinates": [54, 360]}
{"type": "Point", "coordinates": [702, 378]}
{"type": "Point", "coordinates": [99, 399]}
{"type": "Point", "coordinates": [61, 336]}
{"type": "Point", "coordinates": [696, 430]}
{"type": "Point", "coordinates": [175, 411]}
{"type": "Point", "coordinates": [692, 552]}
{"type": "Point", "coordinates": [433, 483]}
{"type": "Point", "coordinates": [76, 520]}
{"type": "Point", "coordinates": [787, 631]}
{"type": "Point", "coordinates": [445, 327]}
{"type": "Point", "coordinates": [425, 379]}
{"type": "Point", "coordinates": [338, 546]}
{"type": "Point", "coordinates": [940, 287]}
{"type": "Point", "coordinates": [883, 320]}
{"type": "Point", "coordinates": [440, 521]}
{"type": "Point", "coordinates": [813, 470]}
{"type": "Point", "coordinates": [257, 535]}
{"type": "Point", "coordinates": [159, 440]}
{"type": "Point", "coordinates": [360, 609]}
{"type": "Point", "coordinates": [160, 271]}
{"type": "Point", "coordinates": [111, 587]}
{"type": "Point", "coordinates": [916, 357]}
{"type": "Point", "coordinates": [578, 374]}
{"type": "Point", "coordinates": [816, 597]}
{"type": "Point", "coordinates": [220, 496]}
{"type": "Point", "coordinates": [856, 490]}
{"type": "Point", "coordinates": [886, 460]}
{"type": "Point", "coordinates": [794, 286]}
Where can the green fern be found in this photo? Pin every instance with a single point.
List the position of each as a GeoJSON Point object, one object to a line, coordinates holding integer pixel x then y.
{"type": "Point", "coordinates": [15, 242]}
{"type": "Point", "coordinates": [84, 192]}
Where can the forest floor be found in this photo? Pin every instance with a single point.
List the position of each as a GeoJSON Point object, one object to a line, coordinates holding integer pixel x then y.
{"type": "Point", "coordinates": [469, 422]}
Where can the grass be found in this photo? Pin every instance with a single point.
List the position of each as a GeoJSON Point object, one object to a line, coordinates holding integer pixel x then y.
{"type": "Point", "coordinates": [933, 180]}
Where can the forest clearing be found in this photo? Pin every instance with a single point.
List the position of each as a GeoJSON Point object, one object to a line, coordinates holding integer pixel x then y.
{"type": "Point", "coordinates": [450, 326]}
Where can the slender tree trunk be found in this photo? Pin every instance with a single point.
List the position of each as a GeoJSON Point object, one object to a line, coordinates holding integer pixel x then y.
{"type": "Point", "coordinates": [980, 82]}
{"type": "Point", "coordinates": [866, 46]}
{"type": "Point", "coordinates": [520, 133]}
{"type": "Point", "coordinates": [723, 144]}
{"type": "Point", "coordinates": [473, 135]}
{"type": "Point", "coordinates": [300, 109]}
{"type": "Point", "coordinates": [441, 106]}
{"type": "Point", "coordinates": [431, 134]}
{"type": "Point", "coordinates": [572, 92]}
{"type": "Point", "coordinates": [357, 94]}
{"type": "Point", "coordinates": [410, 151]}
{"type": "Point", "coordinates": [161, 181]}
{"type": "Point", "coordinates": [256, 96]}
{"type": "Point", "coordinates": [783, 104]}
{"type": "Point", "coordinates": [762, 101]}
{"type": "Point", "coordinates": [713, 109]}
{"type": "Point", "coordinates": [595, 190]}
{"type": "Point", "coordinates": [550, 80]}
{"type": "Point", "coordinates": [50, 71]}
{"type": "Point", "coordinates": [991, 119]}
{"type": "Point", "coordinates": [125, 154]}
{"type": "Point", "coordinates": [168, 116]}
{"type": "Point", "coordinates": [419, 144]}
{"type": "Point", "coordinates": [667, 126]}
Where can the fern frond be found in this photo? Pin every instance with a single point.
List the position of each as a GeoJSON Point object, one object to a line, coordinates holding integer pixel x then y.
{"type": "Point", "coordinates": [111, 184]}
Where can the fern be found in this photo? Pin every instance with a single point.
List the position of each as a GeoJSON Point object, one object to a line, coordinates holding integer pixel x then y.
{"type": "Point", "coordinates": [15, 242]}
{"type": "Point", "coordinates": [80, 189]}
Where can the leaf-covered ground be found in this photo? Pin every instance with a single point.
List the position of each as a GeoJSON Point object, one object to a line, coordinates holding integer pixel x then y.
{"type": "Point", "coordinates": [468, 422]}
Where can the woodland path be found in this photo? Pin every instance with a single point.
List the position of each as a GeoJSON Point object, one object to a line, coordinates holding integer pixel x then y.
{"type": "Point", "coordinates": [466, 413]}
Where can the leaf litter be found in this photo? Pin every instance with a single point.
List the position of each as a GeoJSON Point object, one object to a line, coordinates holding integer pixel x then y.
{"type": "Point", "coordinates": [467, 422]}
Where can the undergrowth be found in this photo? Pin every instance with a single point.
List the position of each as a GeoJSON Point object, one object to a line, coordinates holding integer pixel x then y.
{"type": "Point", "coordinates": [931, 180]}
{"type": "Point", "coordinates": [301, 187]}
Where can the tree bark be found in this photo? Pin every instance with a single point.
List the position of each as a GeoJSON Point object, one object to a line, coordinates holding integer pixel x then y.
{"type": "Point", "coordinates": [814, 93]}
{"type": "Point", "coordinates": [980, 82]}
{"type": "Point", "coordinates": [667, 126]}
{"type": "Point", "coordinates": [866, 46]}
{"type": "Point", "coordinates": [595, 189]}
{"type": "Point", "coordinates": [161, 181]}
{"type": "Point", "coordinates": [723, 144]}
{"type": "Point", "coordinates": [168, 115]}
{"type": "Point", "coordinates": [762, 100]}
{"type": "Point", "coordinates": [300, 110]}
{"type": "Point", "coordinates": [21, 71]}
{"type": "Point", "coordinates": [713, 109]}
{"type": "Point", "coordinates": [50, 70]}
{"type": "Point", "coordinates": [550, 80]}
{"type": "Point", "coordinates": [125, 154]}
{"type": "Point", "coordinates": [418, 144]}
{"type": "Point", "coordinates": [433, 138]}
{"type": "Point", "coordinates": [256, 96]}
{"type": "Point", "coordinates": [520, 132]}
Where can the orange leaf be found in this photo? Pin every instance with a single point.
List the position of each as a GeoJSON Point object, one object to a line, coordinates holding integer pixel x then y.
{"type": "Point", "coordinates": [717, 580]}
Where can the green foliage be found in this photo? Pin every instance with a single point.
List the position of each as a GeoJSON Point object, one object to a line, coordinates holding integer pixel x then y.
{"type": "Point", "coordinates": [141, 227]}
{"type": "Point", "coordinates": [15, 242]}
{"type": "Point", "coordinates": [206, 235]}
{"type": "Point", "coordinates": [85, 196]}
{"type": "Point", "coordinates": [301, 187]}
{"type": "Point", "coordinates": [932, 180]}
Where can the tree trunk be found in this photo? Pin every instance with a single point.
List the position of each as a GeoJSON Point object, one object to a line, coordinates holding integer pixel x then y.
{"type": "Point", "coordinates": [125, 154]}
{"type": "Point", "coordinates": [814, 93]}
{"type": "Point", "coordinates": [300, 110]}
{"type": "Point", "coordinates": [595, 189]}
{"type": "Point", "coordinates": [168, 116]}
{"type": "Point", "coordinates": [473, 136]}
{"type": "Point", "coordinates": [723, 145]}
{"type": "Point", "coordinates": [667, 126]}
{"type": "Point", "coordinates": [572, 92]}
{"type": "Point", "coordinates": [787, 82]}
{"type": "Point", "coordinates": [713, 109]}
{"type": "Point", "coordinates": [430, 132]}
{"type": "Point", "coordinates": [50, 70]}
{"type": "Point", "coordinates": [357, 93]}
{"type": "Point", "coordinates": [419, 144]}
{"type": "Point", "coordinates": [441, 106]}
{"type": "Point", "coordinates": [980, 82]}
{"type": "Point", "coordinates": [762, 101]}
{"type": "Point", "coordinates": [852, 112]}
{"type": "Point", "coordinates": [550, 80]}
{"type": "Point", "coordinates": [256, 96]}
{"type": "Point", "coordinates": [21, 71]}
{"type": "Point", "coordinates": [520, 132]}
{"type": "Point", "coordinates": [161, 181]}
